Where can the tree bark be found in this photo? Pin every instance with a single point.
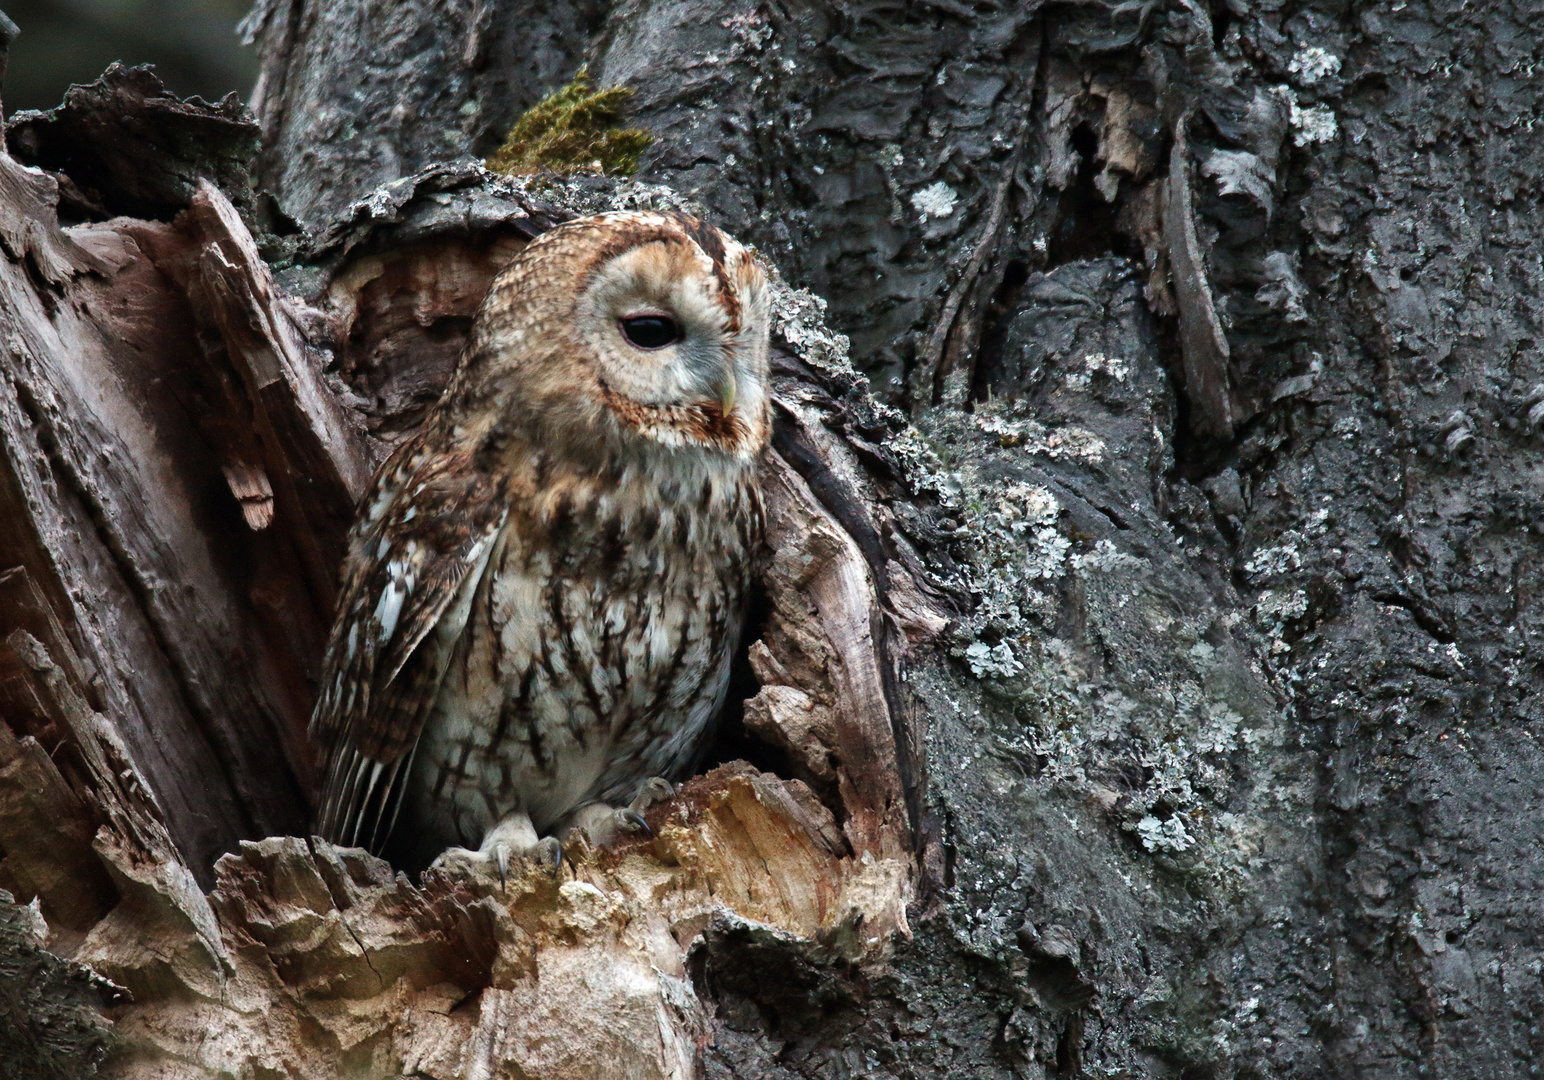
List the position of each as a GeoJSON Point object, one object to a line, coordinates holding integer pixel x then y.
{"type": "Point", "coordinates": [1145, 677]}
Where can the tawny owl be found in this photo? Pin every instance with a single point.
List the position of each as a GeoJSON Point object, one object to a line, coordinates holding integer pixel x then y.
{"type": "Point", "coordinates": [545, 585]}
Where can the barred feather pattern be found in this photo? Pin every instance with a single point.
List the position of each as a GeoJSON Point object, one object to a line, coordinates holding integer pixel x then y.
{"type": "Point", "coordinates": [596, 652]}
{"type": "Point", "coordinates": [546, 584]}
{"type": "Point", "coordinates": [424, 540]}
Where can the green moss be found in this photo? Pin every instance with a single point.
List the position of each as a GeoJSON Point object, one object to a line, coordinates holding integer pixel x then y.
{"type": "Point", "coordinates": [573, 130]}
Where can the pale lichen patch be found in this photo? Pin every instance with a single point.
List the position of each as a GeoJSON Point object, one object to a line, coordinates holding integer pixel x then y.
{"type": "Point", "coordinates": [798, 318]}
{"type": "Point", "coordinates": [1313, 63]}
{"type": "Point", "coordinates": [937, 200]}
{"type": "Point", "coordinates": [1313, 124]}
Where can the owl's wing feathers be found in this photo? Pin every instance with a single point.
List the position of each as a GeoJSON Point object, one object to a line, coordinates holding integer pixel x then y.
{"type": "Point", "coordinates": [416, 563]}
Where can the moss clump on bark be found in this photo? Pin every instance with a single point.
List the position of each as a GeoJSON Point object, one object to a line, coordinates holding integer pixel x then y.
{"type": "Point", "coordinates": [573, 130]}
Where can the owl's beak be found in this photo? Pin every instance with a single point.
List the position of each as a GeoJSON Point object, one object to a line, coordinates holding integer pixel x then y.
{"type": "Point", "coordinates": [725, 385]}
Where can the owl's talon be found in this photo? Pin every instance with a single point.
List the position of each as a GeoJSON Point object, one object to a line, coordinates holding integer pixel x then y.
{"type": "Point", "coordinates": [656, 789]}
{"type": "Point", "coordinates": [604, 824]}
{"type": "Point", "coordinates": [549, 853]}
{"type": "Point", "coordinates": [512, 838]}
{"type": "Point", "coordinates": [501, 852]}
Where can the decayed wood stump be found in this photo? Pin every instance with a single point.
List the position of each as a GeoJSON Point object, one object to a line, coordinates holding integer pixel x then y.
{"type": "Point", "coordinates": [182, 438]}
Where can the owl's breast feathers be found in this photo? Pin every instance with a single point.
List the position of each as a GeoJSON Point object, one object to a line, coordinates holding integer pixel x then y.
{"type": "Point", "coordinates": [578, 602]}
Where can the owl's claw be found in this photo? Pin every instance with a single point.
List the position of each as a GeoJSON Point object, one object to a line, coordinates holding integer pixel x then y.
{"type": "Point", "coordinates": [549, 853]}
{"type": "Point", "coordinates": [501, 852]}
{"type": "Point", "coordinates": [632, 821]}
{"type": "Point", "coordinates": [656, 789]}
{"type": "Point", "coordinates": [606, 824]}
{"type": "Point", "coordinates": [514, 837]}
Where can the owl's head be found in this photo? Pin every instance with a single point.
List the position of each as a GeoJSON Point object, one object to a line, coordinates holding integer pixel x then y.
{"type": "Point", "coordinates": [633, 328]}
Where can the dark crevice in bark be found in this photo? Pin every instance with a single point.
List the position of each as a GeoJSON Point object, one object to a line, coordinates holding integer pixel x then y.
{"type": "Point", "coordinates": [1003, 304]}
{"type": "Point", "coordinates": [833, 494]}
{"type": "Point", "coordinates": [1425, 615]}
{"type": "Point", "coordinates": [731, 740]}
{"type": "Point", "coordinates": [1087, 224]}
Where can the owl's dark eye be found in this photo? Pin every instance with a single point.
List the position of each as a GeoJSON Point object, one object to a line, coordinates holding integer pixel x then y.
{"type": "Point", "coordinates": [651, 331]}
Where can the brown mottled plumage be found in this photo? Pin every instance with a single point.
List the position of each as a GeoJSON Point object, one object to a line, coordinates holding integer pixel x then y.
{"type": "Point", "coordinates": [546, 582]}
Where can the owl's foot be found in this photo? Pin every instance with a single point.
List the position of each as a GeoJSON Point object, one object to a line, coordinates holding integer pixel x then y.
{"type": "Point", "coordinates": [606, 824]}
{"type": "Point", "coordinates": [656, 789]}
{"type": "Point", "coordinates": [514, 837]}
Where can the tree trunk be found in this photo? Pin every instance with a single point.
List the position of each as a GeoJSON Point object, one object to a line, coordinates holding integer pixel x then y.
{"type": "Point", "coordinates": [1144, 675]}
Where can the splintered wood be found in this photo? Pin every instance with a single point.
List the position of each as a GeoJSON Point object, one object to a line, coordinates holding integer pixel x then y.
{"type": "Point", "coordinates": [576, 974]}
{"type": "Point", "coordinates": [181, 444]}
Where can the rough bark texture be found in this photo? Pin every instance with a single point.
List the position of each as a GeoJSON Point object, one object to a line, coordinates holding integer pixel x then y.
{"type": "Point", "coordinates": [1152, 698]}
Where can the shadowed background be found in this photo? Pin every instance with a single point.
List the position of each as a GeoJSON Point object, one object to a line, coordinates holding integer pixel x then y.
{"type": "Point", "coordinates": [192, 43]}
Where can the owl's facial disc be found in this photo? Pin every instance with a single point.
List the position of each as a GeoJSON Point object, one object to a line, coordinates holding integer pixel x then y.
{"type": "Point", "coordinates": [670, 335]}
